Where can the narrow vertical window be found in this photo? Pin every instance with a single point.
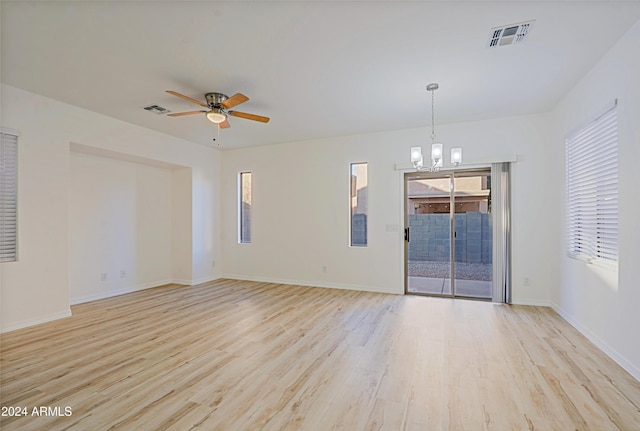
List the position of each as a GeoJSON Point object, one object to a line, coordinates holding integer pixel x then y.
{"type": "Point", "coordinates": [244, 204]}
{"type": "Point", "coordinates": [359, 204]}
{"type": "Point", "coordinates": [8, 198]}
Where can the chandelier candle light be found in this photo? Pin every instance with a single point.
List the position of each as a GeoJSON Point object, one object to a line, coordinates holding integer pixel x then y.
{"type": "Point", "coordinates": [436, 147]}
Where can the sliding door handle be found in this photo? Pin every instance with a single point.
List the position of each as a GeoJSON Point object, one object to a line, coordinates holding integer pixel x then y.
{"type": "Point", "coordinates": [406, 234]}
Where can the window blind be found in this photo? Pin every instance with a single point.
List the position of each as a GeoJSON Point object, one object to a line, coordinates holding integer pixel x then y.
{"type": "Point", "coordinates": [8, 197]}
{"type": "Point", "coordinates": [592, 189]}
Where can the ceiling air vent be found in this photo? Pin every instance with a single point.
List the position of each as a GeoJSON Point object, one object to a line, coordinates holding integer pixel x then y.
{"type": "Point", "coordinates": [157, 109]}
{"type": "Point", "coordinates": [510, 34]}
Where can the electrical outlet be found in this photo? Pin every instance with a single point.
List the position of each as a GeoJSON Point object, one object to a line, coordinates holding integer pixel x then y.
{"type": "Point", "coordinates": [123, 273]}
{"type": "Point", "coordinates": [526, 281]}
{"type": "Point", "coordinates": [324, 268]}
{"type": "Point", "coordinates": [103, 276]}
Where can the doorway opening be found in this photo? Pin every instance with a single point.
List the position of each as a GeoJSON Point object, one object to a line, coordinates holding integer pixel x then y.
{"type": "Point", "coordinates": [449, 234]}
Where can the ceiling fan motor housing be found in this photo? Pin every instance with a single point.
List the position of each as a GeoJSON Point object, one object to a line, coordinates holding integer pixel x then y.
{"type": "Point", "coordinates": [214, 100]}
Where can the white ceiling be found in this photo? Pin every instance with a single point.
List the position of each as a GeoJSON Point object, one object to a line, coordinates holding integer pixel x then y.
{"type": "Point", "coordinates": [317, 68]}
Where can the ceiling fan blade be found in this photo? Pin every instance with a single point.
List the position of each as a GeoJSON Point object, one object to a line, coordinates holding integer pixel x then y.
{"type": "Point", "coordinates": [234, 100]}
{"type": "Point", "coordinates": [225, 124]}
{"type": "Point", "coordinates": [249, 116]}
{"type": "Point", "coordinates": [182, 114]}
{"type": "Point", "coordinates": [187, 98]}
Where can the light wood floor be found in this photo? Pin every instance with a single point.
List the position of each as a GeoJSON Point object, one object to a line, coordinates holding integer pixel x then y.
{"type": "Point", "coordinates": [233, 355]}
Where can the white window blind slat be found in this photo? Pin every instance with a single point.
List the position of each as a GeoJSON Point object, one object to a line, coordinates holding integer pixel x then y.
{"type": "Point", "coordinates": [592, 189]}
{"type": "Point", "coordinates": [8, 197]}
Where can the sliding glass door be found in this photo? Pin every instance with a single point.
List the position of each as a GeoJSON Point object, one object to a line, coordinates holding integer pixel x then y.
{"type": "Point", "coordinates": [428, 234]}
{"type": "Point", "coordinates": [448, 233]}
{"type": "Point", "coordinates": [473, 234]}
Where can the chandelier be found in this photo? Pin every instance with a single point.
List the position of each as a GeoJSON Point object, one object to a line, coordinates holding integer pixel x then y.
{"type": "Point", "coordinates": [436, 147]}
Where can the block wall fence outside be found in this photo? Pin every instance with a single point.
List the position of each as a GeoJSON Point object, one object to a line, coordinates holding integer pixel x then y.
{"type": "Point", "coordinates": [359, 229]}
{"type": "Point", "coordinates": [430, 237]}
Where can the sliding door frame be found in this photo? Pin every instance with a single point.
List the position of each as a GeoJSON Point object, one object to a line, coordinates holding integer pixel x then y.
{"type": "Point", "coordinates": [500, 218]}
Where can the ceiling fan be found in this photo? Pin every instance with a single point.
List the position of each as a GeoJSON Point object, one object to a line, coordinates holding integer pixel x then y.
{"type": "Point", "coordinates": [218, 105]}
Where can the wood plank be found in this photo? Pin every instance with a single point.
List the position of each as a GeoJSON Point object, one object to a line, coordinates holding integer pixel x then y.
{"type": "Point", "coordinates": [246, 355]}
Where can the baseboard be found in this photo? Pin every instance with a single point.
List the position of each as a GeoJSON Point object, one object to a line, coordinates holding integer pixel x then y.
{"type": "Point", "coordinates": [601, 344]}
{"type": "Point", "coordinates": [534, 302]}
{"type": "Point", "coordinates": [118, 292]}
{"type": "Point", "coordinates": [182, 281]}
{"type": "Point", "coordinates": [203, 280]}
{"type": "Point", "coordinates": [341, 286]}
{"type": "Point", "coordinates": [31, 322]}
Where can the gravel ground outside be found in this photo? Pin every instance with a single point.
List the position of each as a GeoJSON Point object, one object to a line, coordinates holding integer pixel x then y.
{"type": "Point", "coordinates": [464, 271]}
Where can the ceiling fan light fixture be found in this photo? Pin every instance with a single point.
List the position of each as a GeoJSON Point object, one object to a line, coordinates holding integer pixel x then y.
{"type": "Point", "coordinates": [216, 116]}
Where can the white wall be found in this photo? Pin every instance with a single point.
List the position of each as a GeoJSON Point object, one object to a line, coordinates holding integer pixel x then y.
{"type": "Point", "coordinates": [182, 226]}
{"type": "Point", "coordinates": [301, 206]}
{"type": "Point", "coordinates": [602, 303]}
{"type": "Point", "coordinates": [36, 288]}
{"type": "Point", "coordinates": [120, 225]}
